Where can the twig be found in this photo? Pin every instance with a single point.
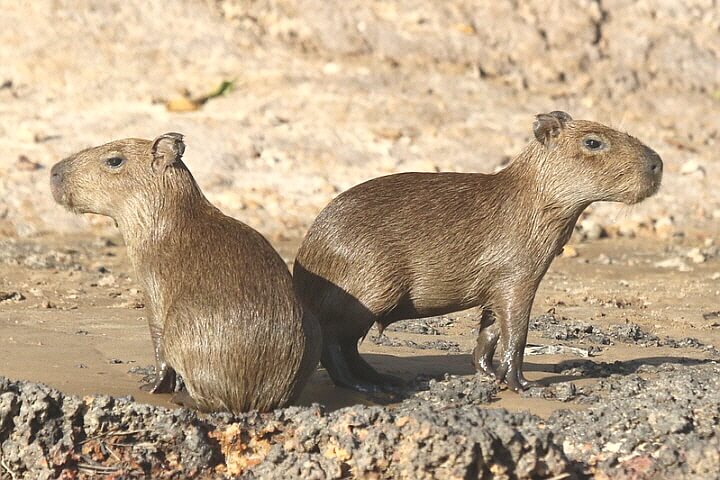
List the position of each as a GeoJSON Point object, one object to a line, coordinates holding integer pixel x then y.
{"type": "Point", "coordinates": [98, 468]}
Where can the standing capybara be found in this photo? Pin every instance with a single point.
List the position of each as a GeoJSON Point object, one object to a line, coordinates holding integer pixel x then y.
{"type": "Point", "coordinates": [415, 245]}
{"type": "Point", "coordinates": [223, 313]}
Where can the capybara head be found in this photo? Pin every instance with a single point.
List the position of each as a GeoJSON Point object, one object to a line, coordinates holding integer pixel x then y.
{"type": "Point", "coordinates": [124, 178]}
{"type": "Point", "coordinates": [595, 162]}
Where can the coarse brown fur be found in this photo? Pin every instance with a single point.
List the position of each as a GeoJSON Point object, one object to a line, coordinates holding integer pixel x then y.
{"type": "Point", "coordinates": [222, 310]}
{"type": "Point", "coordinates": [415, 245]}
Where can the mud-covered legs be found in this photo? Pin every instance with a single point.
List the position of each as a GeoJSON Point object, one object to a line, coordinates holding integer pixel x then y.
{"type": "Point", "coordinates": [348, 369]}
{"type": "Point", "coordinates": [509, 326]}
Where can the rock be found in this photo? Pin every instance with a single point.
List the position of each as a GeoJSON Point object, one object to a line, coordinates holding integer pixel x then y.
{"type": "Point", "coordinates": [696, 255]}
{"type": "Point", "coordinates": [107, 281]}
{"type": "Point", "coordinates": [691, 167]}
{"type": "Point", "coordinates": [590, 230]}
{"type": "Point", "coordinates": [664, 227]}
{"type": "Point", "coordinates": [628, 228]}
{"type": "Point", "coordinates": [570, 251]}
{"type": "Point", "coordinates": [675, 262]}
{"type": "Point", "coordinates": [11, 297]}
{"type": "Point", "coordinates": [24, 164]}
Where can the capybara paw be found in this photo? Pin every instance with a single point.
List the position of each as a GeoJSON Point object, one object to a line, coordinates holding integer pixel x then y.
{"type": "Point", "coordinates": [486, 368]}
{"type": "Point", "coordinates": [517, 382]}
{"type": "Point", "coordinates": [164, 382]}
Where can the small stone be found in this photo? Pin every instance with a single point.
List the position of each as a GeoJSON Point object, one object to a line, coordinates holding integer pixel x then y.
{"type": "Point", "coordinates": [696, 256]}
{"type": "Point", "coordinates": [603, 259]}
{"type": "Point", "coordinates": [628, 228]}
{"type": "Point", "coordinates": [24, 164]}
{"type": "Point", "coordinates": [675, 262]}
{"type": "Point", "coordinates": [331, 68]}
{"type": "Point", "coordinates": [691, 167]}
{"type": "Point", "coordinates": [106, 281]}
{"type": "Point", "coordinates": [665, 227]}
{"type": "Point", "coordinates": [591, 230]}
{"type": "Point", "coordinates": [570, 252]}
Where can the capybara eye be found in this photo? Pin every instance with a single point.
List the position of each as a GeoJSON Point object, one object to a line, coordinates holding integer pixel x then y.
{"type": "Point", "coordinates": [592, 143]}
{"type": "Point", "coordinates": [114, 162]}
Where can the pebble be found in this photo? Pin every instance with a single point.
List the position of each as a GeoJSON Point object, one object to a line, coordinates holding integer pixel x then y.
{"type": "Point", "coordinates": [675, 262]}
{"type": "Point", "coordinates": [665, 227]}
{"type": "Point", "coordinates": [24, 164]}
{"type": "Point", "coordinates": [696, 256]}
{"type": "Point", "coordinates": [590, 230]}
{"type": "Point", "coordinates": [628, 228]}
{"type": "Point", "coordinates": [570, 251]}
{"type": "Point", "coordinates": [603, 259]}
{"type": "Point", "coordinates": [106, 281]}
{"type": "Point", "coordinates": [691, 167]}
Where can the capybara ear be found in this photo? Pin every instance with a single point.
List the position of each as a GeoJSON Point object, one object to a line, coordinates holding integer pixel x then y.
{"type": "Point", "coordinates": [548, 125]}
{"type": "Point", "coordinates": [167, 149]}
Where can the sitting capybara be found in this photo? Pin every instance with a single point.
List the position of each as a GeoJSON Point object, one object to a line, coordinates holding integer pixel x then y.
{"type": "Point", "coordinates": [415, 245]}
{"type": "Point", "coordinates": [223, 313]}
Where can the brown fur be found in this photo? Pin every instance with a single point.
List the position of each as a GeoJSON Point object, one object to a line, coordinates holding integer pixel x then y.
{"type": "Point", "coordinates": [222, 310]}
{"type": "Point", "coordinates": [416, 245]}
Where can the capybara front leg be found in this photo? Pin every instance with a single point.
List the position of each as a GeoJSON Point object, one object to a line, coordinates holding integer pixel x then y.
{"type": "Point", "coordinates": [487, 339]}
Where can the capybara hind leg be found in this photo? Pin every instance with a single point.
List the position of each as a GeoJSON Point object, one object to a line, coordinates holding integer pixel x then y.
{"type": "Point", "coordinates": [361, 368]}
{"type": "Point", "coordinates": [336, 365]}
{"type": "Point", "coordinates": [165, 381]}
{"type": "Point", "coordinates": [487, 340]}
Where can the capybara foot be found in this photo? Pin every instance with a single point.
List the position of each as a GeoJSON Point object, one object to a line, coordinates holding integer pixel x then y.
{"type": "Point", "coordinates": [484, 366]}
{"type": "Point", "coordinates": [165, 381]}
{"type": "Point", "coordinates": [510, 373]}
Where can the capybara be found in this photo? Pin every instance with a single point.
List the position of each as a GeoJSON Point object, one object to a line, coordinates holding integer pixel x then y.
{"type": "Point", "coordinates": [222, 311]}
{"type": "Point", "coordinates": [415, 245]}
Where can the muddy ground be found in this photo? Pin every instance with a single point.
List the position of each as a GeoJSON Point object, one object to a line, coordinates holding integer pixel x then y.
{"type": "Point", "coordinates": [626, 326]}
{"type": "Point", "coordinates": [625, 337]}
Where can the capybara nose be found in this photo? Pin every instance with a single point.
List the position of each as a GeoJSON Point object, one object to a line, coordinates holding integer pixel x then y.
{"type": "Point", "coordinates": [56, 172]}
{"type": "Point", "coordinates": [56, 180]}
{"type": "Point", "coordinates": [654, 162]}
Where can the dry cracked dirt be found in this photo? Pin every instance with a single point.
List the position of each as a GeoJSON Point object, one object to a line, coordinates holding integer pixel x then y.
{"type": "Point", "coordinates": [625, 331]}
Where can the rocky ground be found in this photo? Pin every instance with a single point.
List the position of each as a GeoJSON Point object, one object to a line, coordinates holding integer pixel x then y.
{"type": "Point", "coordinates": [626, 326]}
